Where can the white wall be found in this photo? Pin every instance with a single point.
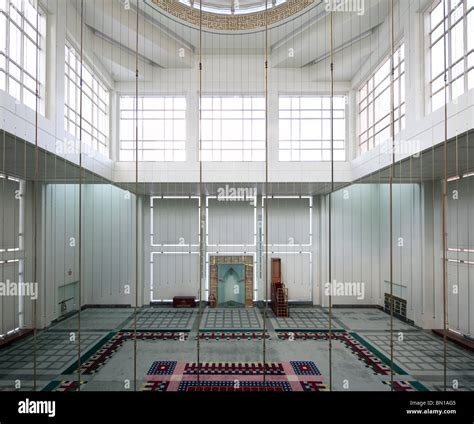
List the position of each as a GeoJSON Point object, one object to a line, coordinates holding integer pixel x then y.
{"type": "Point", "coordinates": [60, 248]}
{"type": "Point", "coordinates": [460, 274]}
{"type": "Point", "coordinates": [10, 240]}
{"type": "Point", "coordinates": [361, 243]}
{"type": "Point", "coordinates": [234, 228]}
{"type": "Point", "coordinates": [19, 120]}
{"type": "Point", "coordinates": [108, 246]}
{"type": "Point", "coordinates": [108, 243]}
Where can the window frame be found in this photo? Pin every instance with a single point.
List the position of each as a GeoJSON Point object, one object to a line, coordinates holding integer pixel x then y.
{"type": "Point", "coordinates": [322, 118]}
{"type": "Point", "coordinates": [370, 133]}
{"type": "Point", "coordinates": [39, 43]}
{"type": "Point", "coordinates": [446, 34]}
{"type": "Point", "coordinates": [173, 151]}
{"type": "Point", "coordinates": [217, 153]}
{"type": "Point", "coordinates": [72, 75]}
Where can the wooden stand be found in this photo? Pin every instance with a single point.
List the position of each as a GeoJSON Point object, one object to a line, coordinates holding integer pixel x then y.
{"type": "Point", "coordinates": [276, 270]}
{"type": "Point", "coordinates": [279, 292]}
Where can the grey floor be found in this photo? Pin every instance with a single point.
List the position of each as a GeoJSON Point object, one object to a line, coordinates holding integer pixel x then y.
{"type": "Point", "coordinates": [419, 353]}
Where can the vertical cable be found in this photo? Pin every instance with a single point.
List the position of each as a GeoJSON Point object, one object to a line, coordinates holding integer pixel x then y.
{"type": "Point", "coordinates": [202, 232]}
{"type": "Point", "coordinates": [392, 169]}
{"type": "Point", "coordinates": [35, 211]}
{"type": "Point", "coordinates": [331, 53]}
{"type": "Point", "coordinates": [80, 200]}
{"type": "Point", "coordinates": [468, 189]}
{"type": "Point", "coordinates": [265, 241]}
{"type": "Point", "coordinates": [444, 198]}
{"type": "Point", "coordinates": [136, 209]}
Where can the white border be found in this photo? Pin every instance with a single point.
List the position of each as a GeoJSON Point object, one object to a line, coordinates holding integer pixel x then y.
{"type": "Point", "coordinates": [152, 235]}
{"type": "Point", "coordinates": [310, 198]}
{"type": "Point", "coordinates": [246, 199]}
{"type": "Point", "coordinates": [20, 249]}
{"type": "Point", "coordinates": [151, 272]}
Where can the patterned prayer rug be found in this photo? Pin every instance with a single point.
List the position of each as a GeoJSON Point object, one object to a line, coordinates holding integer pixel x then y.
{"type": "Point", "coordinates": [100, 354]}
{"type": "Point", "coordinates": [231, 377]}
{"type": "Point", "coordinates": [372, 358]}
{"type": "Point", "coordinates": [405, 386]}
{"type": "Point", "coordinates": [63, 386]}
{"type": "Point", "coordinates": [232, 335]}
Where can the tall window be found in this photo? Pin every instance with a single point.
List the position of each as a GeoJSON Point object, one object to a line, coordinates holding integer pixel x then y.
{"type": "Point", "coordinates": [305, 128]}
{"type": "Point", "coordinates": [233, 128]}
{"type": "Point", "coordinates": [161, 128]}
{"type": "Point", "coordinates": [22, 35]}
{"type": "Point", "coordinates": [457, 31]}
{"type": "Point", "coordinates": [375, 102]}
{"type": "Point", "coordinates": [95, 103]}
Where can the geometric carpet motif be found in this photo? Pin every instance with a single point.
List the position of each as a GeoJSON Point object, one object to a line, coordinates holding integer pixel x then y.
{"type": "Point", "coordinates": [401, 386]}
{"type": "Point", "coordinates": [174, 376]}
{"type": "Point", "coordinates": [232, 335]}
{"type": "Point", "coordinates": [231, 386]}
{"type": "Point", "coordinates": [372, 359]}
{"type": "Point", "coordinates": [232, 368]}
{"type": "Point", "coordinates": [63, 386]}
{"type": "Point", "coordinates": [99, 355]}
{"type": "Point", "coordinates": [162, 368]}
{"type": "Point", "coordinates": [305, 368]}
{"type": "Point", "coordinates": [314, 386]}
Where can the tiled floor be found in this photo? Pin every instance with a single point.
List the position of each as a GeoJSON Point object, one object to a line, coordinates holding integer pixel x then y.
{"type": "Point", "coordinates": [419, 351]}
{"type": "Point", "coordinates": [304, 319]}
{"type": "Point", "coordinates": [367, 319]}
{"type": "Point", "coordinates": [161, 319]}
{"type": "Point", "coordinates": [419, 356]}
{"type": "Point", "coordinates": [54, 351]}
{"type": "Point", "coordinates": [231, 319]}
{"type": "Point", "coordinates": [98, 319]}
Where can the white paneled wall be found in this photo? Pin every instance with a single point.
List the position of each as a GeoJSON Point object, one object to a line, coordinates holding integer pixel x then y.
{"type": "Point", "coordinates": [109, 245]}
{"type": "Point", "coordinates": [175, 274]}
{"type": "Point", "coordinates": [297, 235]}
{"type": "Point", "coordinates": [171, 237]}
{"type": "Point", "coordinates": [232, 229]}
{"type": "Point", "coordinates": [175, 221]}
{"type": "Point", "coordinates": [10, 265]}
{"type": "Point", "coordinates": [290, 226]}
{"type": "Point", "coordinates": [461, 255]}
{"type": "Point", "coordinates": [60, 246]}
{"type": "Point", "coordinates": [231, 223]}
{"type": "Point", "coordinates": [361, 242]}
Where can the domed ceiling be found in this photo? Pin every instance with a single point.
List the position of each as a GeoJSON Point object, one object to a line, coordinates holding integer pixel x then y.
{"type": "Point", "coordinates": [233, 15]}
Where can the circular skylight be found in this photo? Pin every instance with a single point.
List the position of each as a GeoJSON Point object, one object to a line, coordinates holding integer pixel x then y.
{"type": "Point", "coordinates": [232, 7]}
{"type": "Point", "coordinates": [233, 15]}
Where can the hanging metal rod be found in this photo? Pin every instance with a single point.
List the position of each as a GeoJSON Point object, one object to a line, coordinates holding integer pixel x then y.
{"type": "Point", "coordinates": [346, 45]}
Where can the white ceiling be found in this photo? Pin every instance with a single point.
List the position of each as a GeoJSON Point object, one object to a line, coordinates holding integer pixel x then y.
{"type": "Point", "coordinates": [161, 38]}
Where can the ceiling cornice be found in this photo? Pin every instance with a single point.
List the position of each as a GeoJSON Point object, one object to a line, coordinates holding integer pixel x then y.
{"type": "Point", "coordinates": [240, 22]}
